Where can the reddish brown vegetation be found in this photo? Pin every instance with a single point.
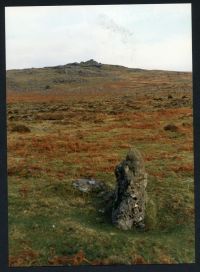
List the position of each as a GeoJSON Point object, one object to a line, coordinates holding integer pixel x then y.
{"type": "Point", "coordinates": [188, 168]}
{"type": "Point", "coordinates": [77, 259]}
{"type": "Point", "coordinates": [28, 257]}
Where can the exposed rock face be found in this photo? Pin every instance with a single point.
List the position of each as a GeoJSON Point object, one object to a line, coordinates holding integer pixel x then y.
{"type": "Point", "coordinates": [130, 196]}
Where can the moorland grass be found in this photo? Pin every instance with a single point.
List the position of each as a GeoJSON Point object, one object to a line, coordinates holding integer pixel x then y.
{"type": "Point", "coordinates": [50, 222]}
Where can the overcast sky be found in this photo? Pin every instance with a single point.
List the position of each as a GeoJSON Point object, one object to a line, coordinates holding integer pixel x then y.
{"type": "Point", "coordinates": [143, 36]}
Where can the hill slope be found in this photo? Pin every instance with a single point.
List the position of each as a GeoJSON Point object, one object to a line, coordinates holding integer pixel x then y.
{"type": "Point", "coordinates": [91, 74]}
{"type": "Point", "coordinates": [82, 128]}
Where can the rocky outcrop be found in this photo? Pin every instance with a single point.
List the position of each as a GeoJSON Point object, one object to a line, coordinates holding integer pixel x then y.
{"type": "Point", "coordinates": [91, 62]}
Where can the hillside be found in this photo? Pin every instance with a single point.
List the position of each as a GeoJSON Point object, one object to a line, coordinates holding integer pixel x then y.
{"type": "Point", "coordinates": [78, 121]}
{"type": "Point", "coordinates": [91, 74]}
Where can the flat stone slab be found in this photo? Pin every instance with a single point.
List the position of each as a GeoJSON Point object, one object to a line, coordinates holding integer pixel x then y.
{"type": "Point", "coordinates": [88, 185]}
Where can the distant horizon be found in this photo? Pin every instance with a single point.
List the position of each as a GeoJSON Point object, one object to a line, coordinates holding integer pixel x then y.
{"type": "Point", "coordinates": [149, 36]}
{"type": "Point", "coordinates": [51, 66]}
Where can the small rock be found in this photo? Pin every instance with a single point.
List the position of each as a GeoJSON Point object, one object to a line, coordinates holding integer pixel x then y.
{"type": "Point", "coordinates": [89, 185]}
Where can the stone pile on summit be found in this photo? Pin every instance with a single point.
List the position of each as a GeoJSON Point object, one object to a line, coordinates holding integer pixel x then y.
{"type": "Point", "coordinates": [91, 62]}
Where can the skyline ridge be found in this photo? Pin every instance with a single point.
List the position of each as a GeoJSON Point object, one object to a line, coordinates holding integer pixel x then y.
{"type": "Point", "coordinates": [83, 62]}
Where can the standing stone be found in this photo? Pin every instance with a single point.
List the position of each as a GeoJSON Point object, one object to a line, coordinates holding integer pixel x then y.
{"type": "Point", "coordinates": [130, 196]}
